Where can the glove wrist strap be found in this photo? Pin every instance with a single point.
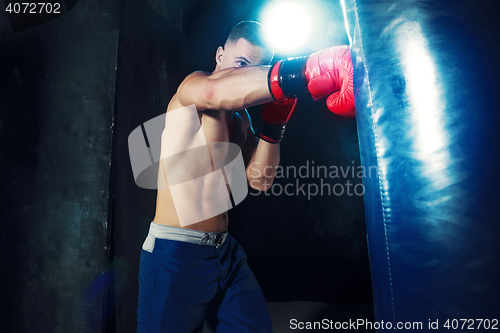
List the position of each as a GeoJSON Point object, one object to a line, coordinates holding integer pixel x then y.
{"type": "Point", "coordinates": [272, 133]}
{"type": "Point", "coordinates": [273, 83]}
{"type": "Point", "coordinates": [287, 79]}
{"type": "Point", "coordinates": [292, 77]}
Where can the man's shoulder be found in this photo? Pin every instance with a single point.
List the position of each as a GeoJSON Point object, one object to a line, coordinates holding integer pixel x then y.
{"type": "Point", "coordinates": [190, 81]}
{"type": "Point", "coordinates": [196, 74]}
{"type": "Point", "coordinates": [174, 102]}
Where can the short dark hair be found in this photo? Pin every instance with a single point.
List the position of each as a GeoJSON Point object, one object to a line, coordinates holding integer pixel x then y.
{"type": "Point", "coordinates": [253, 32]}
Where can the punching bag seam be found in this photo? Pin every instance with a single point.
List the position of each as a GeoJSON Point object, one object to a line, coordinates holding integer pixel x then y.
{"type": "Point", "coordinates": [380, 176]}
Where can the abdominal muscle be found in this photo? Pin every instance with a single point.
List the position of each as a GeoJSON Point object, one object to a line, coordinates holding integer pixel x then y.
{"type": "Point", "coordinates": [217, 126]}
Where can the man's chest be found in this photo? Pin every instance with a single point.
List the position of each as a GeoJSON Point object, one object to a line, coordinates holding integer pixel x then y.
{"type": "Point", "coordinates": [224, 126]}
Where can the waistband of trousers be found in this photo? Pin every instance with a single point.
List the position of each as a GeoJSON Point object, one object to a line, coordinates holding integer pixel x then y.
{"type": "Point", "coordinates": [187, 235]}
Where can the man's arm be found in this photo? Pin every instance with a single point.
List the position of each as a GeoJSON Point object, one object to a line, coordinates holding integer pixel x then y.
{"type": "Point", "coordinates": [261, 159]}
{"type": "Point", "coordinates": [228, 89]}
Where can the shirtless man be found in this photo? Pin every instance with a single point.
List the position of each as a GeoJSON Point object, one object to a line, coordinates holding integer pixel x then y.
{"type": "Point", "coordinates": [196, 272]}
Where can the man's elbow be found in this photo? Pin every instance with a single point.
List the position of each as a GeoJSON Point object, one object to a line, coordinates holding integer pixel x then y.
{"type": "Point", "coordinates": [217, 96]}
{"type": "Point", "coordinates": [198, 91]}
{"type": "Point", "coordinates": [209, 96]}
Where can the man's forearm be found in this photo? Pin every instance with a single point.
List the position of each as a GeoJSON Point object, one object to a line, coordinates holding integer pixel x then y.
{"type": "Point", "coordinates": [228, 89]}
{"type": "Point", "coordinates": [263, 165]}
{"type": "Point", "coordinates": [238, 88]}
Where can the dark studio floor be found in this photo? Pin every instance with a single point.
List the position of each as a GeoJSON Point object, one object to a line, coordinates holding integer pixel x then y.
{"type": "Point", "coordinates": [283, 312]}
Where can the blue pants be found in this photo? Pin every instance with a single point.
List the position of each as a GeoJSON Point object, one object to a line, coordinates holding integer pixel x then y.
{"type": "Point", "coordinates": [183, 284]}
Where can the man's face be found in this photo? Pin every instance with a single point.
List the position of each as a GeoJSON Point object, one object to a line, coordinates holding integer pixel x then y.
{"type": "Point", "coordinates": [240, 54]}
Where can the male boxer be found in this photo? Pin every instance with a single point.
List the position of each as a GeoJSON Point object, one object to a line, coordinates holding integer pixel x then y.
{"type": "Point", "coordinates": [196, 273]}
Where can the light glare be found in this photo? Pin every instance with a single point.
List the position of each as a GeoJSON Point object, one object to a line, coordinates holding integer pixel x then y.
{"type": "Point", "coordinates": [423, 89]}
{"type": "Point", "coordinates": [288, 26]}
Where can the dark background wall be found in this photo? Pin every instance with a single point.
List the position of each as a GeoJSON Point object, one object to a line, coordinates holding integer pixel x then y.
{"type": "Point", "coordinates": [73, 220]}
{"type": "Point", "coordinates": [152, 63]}
{"type": "Point", "coordinates": [57, 93]}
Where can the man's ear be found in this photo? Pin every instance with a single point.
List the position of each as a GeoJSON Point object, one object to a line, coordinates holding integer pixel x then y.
{"type": "Point", "coordinates": [219, 55]}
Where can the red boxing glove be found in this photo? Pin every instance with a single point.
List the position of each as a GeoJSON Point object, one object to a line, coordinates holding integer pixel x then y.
{"type": "Point", "coordinates": [327, 72]}
{"type": "Point", "coordinates": [275, 116]}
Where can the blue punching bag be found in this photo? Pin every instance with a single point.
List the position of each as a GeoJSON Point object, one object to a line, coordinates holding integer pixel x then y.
{"type": "Point", "coordinates": [426, 79]}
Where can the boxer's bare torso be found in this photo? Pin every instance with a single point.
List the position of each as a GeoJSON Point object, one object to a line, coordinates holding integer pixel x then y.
{"type": "Point", "coordinates": [238, 81]}
{"type": "Point", "coordinates": [217, 126]}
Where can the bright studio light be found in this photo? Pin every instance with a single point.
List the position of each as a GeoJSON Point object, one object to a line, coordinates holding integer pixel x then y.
{"type": "Point", "coordinates": [288, 26]}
